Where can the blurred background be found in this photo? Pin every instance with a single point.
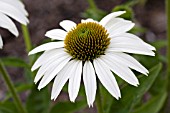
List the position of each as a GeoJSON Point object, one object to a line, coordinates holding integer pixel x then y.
{"type": "Point", "coordinates": [149, 16]}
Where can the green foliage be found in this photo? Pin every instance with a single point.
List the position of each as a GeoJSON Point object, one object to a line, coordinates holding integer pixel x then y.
{"type": "Point", "coordinates": [7, 107]}
{"type": "Point", "coordinates": [68, 107]}
{"type": "Point", "coordinates": [158, 44]}
{"type": "Point", "coordinates": [20, 88]}
{"type": "Point", "coordinates": [153, 105]}
{"type": "Point", "coordinates": [14, 62]}
{"type": "Point", "coordinates": [38, 101]}
{"type": "Point", "coordinates": [132, 95]}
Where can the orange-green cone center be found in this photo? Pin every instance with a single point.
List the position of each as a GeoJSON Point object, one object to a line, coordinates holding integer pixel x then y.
{"type": "Point", "coordinates": [87, 41]}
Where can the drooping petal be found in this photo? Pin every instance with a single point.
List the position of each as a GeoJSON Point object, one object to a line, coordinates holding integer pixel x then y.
{"type": "Point", "coordinates": [18, 5]}
{"type": "Point", "coordinates": [1, 42]}
{"type": "Point", "coordinates": [46, 56]}
{"type": "Point", "coordinates": [61, 79]}
{"type": "Point", "coordinates": [57, 34]}
{"type": "Point", "coordinates": [49, 65]}
{"type": "Point", "coordinates": [132, 38]}
{"type": "Point", "coordinates": [6, 22]}
{"type": "Point", "coordinates": [121, 70]}
{"type": "Point", "coordinates": [117, 26]}
{"type": "Point", "coordinates": [128, 61]}
{"type": "Point", "coordinates": [130, 44]}
{"type": "Point", "coordinates": [130, 49]}
{"type": "Point", "coordinates": [13, 12]}
{"type": "Point", "coordinates": [67, 24]}
{"type": "Point", "coordinates": [47, 46]}
{"type": "Point", "coordinates": [110, 16]}
{"type": "Point", "coordinates": [89, 79]}
{"type": "Point", "coordinates": [74, 80]}
{"type": "Point", "coordinates": [107, 78]}
{"type": "Point", "coordinates": [53, 70]}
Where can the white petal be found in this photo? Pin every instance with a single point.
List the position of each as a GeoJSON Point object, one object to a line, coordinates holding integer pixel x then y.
{"type": "Point", "coordinates": [52, 70]}
{"type": "Point", "coordinates": [61, 79]}
{"type": "Point", "coordinates": [117, 26]}
{"type": "Point", "coordinates": [114, 22]}
{"type": "Point", "coordinates": [74, 80]}
{"type": "Point", "coordinates": [6, 22]}
{"type": "Point", "coordinates": [149, 46]}
{"type": "Point", "coordinates": [89, 79]}
{"type": "Point", "coordinates": [50, 64]}
{"type": "Point", "coordinates": [1, 42]}
{"type": "Point", "coordinates": [127, 42]}
{"type": "Point", "coordinates": [128, 61]}
{"type": "Point", "coordinates": [47, 55]}
{"type": "Point", "coordinates": [57, 34]}
{"type": "Point", "coordinates": [47, 46]}
{"type": "Point", "coordinates": [88, 20]}
{"type": "Point", "coordinates": [107, 78]}
{"type": "Point", "coordinates": [17, 4]}
{"type": "Point", "coordinates": [132, 37]}
{"type": "Point", "coordinates": [13, 12]}
{"type": "Point", "coordinates": [130, 48]}
{"type": "Point", "coordinates": [67, 24]}
{"type": "Point", "coordinates": [110, 16]}
{"type": "Point", "coordinates": [121, 70]}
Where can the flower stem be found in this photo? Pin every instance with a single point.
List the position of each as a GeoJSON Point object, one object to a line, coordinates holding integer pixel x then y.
{"type": "Point", "coordinates": [168, 52]}
{"type": "Point", "coordinates": [168, 35]}
{"type": "Point", "coordinates": [26, 38]}
{"type": "Point", "coordinates": [98, 99]}
{"type": "Point", "coordinates": [28, 43]}
{"type": "Point", "coordinates": [11, 88]}
{"type": "Point", "coordinates": [92, 4]}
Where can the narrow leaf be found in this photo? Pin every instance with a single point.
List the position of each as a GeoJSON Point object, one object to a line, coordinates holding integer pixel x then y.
{"type": "Point", "coordinates": [14, 62]}
{"type": "Point", "coordinates": [152, 106]}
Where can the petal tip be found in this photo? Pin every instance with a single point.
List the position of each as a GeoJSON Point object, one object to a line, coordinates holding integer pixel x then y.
{"type": "Point", "coordinates": [30, 53]}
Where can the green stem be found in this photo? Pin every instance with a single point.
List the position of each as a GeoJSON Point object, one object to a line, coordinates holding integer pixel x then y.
{"type": "Point", "coordinates": [11, 88]}
{"type": "Point", "coordinates": [98, 100]}
{"type": "Point", "coordinates": [92, 4]}
{"type": "Point", "coordinates": [168, 52]}
{"type": "Point", "coordinates": [168, 34]}
{"type": "Point", "coordinates": [26, 38]}
{"type": "Point", "coordinates": [28, 43]}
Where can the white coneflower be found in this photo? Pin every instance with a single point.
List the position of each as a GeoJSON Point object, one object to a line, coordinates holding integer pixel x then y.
{"type": "Point", "coordinates": [92, 50]}
{"type": "Point", "coordinates": [14, 9]}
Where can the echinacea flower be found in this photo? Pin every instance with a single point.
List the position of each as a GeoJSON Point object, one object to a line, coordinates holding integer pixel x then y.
{"type": "Point", "coordinates": [91, 50]}
{"type": "Point", "coordinates": [14, 9]}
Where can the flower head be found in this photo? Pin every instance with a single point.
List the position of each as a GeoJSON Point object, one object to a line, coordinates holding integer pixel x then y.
{"type": "Point", "coordinates": [91, 50]}
{"type": "Point", "coordinates": [14, 9]}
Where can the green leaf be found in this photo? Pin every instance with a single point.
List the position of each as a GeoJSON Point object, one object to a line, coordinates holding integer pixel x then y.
{"type": "Point", "coordinates": [68, 107]}
{"type": "Point", "coordinates": [160, 86]}
{"type": "Point", "coordinates": [38, 101]}
{"type": "Point", "coordinates": [7, 107]}
{"type": "Point", "coordinates": [144, 60]}
{"type": "Point", "coordinates": [15, 62]}
{"type": "Point", "coordinates": [131, 95]}
{"type": "Point", "coordinates": [153, 105]}
{"type": "Point", "coordinates": [106, 97]}
{"type": "Point", "coordinates": [160, 44]}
